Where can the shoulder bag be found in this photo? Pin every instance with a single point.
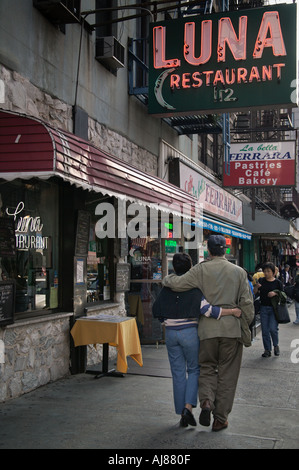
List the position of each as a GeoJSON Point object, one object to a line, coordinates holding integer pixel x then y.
{"type": "Point", "coordinates": [282, 313]}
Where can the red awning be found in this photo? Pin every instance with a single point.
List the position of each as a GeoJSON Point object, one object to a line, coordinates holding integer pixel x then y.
{"type": "Point", "coordinates": [31, 148]}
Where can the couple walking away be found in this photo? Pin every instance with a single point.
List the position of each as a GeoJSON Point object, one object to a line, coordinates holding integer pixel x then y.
{"type": "Point", "coordinates": [207, 310]}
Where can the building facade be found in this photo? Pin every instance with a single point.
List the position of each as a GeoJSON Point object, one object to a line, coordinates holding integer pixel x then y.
{"type": "Point", "coordinates": [75, 137]}
{"type": "Point", "coordinates": [55, 84]}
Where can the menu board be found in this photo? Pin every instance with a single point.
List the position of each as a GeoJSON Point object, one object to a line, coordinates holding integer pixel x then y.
{"type": "Point", "coordinates": [82, 234]}
{"type": "Point", "coordinates": [80, 285]}
{"type": "Point", "coordinates": [7, 237]}
{"type": "Point", "coordinates": [123, 271]}
{"type": "Point", "coordinates": [7, 302]}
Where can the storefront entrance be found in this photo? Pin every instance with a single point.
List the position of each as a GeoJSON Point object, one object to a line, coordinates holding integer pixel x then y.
{"type": "Point", "coordinates": [145, 258]}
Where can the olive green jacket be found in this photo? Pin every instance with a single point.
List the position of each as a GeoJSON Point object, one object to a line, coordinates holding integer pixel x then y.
{"type": "Point", "coordinates": [223, 284]}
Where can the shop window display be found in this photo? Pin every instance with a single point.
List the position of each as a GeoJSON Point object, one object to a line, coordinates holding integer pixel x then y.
{"type": "Point", "coordinates": [100, 258]}
{"type": "Point", "coordinates": [98, 268]}
{"type": "Point", "coordinates": [145, 257]}
{"type": "Point", "coordinates": [29, 212]}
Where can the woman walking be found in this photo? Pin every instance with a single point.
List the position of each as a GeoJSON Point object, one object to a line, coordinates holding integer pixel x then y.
{"type": "Point", "coordinates": [267, 287]}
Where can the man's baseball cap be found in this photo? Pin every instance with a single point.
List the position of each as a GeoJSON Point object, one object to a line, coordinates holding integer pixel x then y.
{"type": "Point", "coordinates": [216, 240]}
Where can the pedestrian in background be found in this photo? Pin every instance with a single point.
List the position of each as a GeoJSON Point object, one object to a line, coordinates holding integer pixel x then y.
{"type": "Point", "coordinates": [286, 276]}
{"type": "Point", "coordinates": [266, 287]}
{"type": "Point", "coordinates": [277, 273]}
{"type": "Point", "coordinates": [221, 342]}
{"type": "Point", "coordinates": [286, 280]}
{"type": "Point", "coordinates": [296, 299]}
{"type": "Point", "coordinates": [179, 313]}
{"type": "Point", "coordinates": [250, 280]}
{"type": "Point", "coordinates": [293, 293]}
{"type": "Point", "coordinates": [257, 274]}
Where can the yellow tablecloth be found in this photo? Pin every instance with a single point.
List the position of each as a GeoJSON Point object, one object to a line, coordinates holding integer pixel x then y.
{"type": "Point", "coordinates": [120, 332]}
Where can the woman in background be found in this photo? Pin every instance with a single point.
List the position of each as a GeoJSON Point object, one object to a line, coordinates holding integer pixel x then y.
{"type": "Point", "coordinates": [266, 287]}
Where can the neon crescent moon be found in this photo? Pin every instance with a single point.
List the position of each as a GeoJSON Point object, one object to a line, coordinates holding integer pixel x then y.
{"type": "Point", "coordinates": [158, 88]}
{"type": "Point", "coordinates": [131, 253]}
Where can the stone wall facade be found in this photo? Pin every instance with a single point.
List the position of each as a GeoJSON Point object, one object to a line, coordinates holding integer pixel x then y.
{"type": "Point", "coordinates": [36, 352]}
{"type": "Point", "coordinates": [119, 146]}
{"type": "Point", "coordinates": [21, 96]}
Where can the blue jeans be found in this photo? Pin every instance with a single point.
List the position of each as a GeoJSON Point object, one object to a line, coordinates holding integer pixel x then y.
{"type": "Point", "coordinates": [269, 327]}
{"type": "Point", "coordinates": [297, 311]}
{"type": "Point", "coordinates": [183, 348]}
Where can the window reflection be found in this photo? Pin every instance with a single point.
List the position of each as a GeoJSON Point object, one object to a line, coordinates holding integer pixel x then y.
{"type": "Point", "coordinates": [28, 243]}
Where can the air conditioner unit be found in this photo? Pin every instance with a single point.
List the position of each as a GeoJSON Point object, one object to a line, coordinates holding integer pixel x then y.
{"type": "Point", "coordinates": [110, 52]}
{"type": "Point", "coordinates": [60, 11]}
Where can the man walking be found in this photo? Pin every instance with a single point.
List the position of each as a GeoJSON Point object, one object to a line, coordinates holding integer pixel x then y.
{"type": "Point", "coordinates": [221, 343]}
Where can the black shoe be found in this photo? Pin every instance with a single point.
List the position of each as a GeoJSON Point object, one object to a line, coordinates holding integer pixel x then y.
{"type": "Point", "coordinates": [276, 351]}
{"type": "Point", "coordinates": [187, 418]}
{"type": "Point", "coordinates": [205, 415]}
{"type": "Point", "coordinates": [183, 422]}
{"type": "Point", "coordinates": [266, 353]}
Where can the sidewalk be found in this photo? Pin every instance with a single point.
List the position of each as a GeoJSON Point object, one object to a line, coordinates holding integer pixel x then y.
{"type": "Point", "coordinates": [136, 411]}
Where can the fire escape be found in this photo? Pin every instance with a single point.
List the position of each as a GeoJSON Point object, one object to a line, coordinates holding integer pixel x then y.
{"type": "Point", "coordinates": [273, 125]}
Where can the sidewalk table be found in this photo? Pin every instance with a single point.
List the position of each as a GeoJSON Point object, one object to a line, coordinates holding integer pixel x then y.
{"type": "Point", "coordinates": [120, 332]}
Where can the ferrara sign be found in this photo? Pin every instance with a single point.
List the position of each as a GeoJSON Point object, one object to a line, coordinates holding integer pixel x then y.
{"type": "Point", "coordinates": [223, 62]}
{"type": "Point", "coordinates": [261, 164]}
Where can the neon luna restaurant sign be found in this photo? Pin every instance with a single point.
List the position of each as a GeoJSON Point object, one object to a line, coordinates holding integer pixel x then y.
{"type": "Point", "coordinates": [206, 64]}
{"type": "Point", "coordinates": [28, 231]}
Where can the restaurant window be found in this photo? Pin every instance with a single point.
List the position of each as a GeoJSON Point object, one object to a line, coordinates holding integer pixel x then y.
{"type": "Point", "coordinates": [150, 258]}
{"type": "Point", "coordinates": [145, 258]}
{"type": "Point", "coordinates": [99, 263]}
{"type": "Point", "coordinates": [29, 244]}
